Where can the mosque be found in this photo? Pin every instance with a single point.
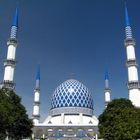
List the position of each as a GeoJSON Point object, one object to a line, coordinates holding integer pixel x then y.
{"type": "Point", "coordinates": [71, 116]}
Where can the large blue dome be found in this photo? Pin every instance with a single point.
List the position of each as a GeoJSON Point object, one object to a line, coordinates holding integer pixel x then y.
{"type": "Point", "coordinates": [72, 93]}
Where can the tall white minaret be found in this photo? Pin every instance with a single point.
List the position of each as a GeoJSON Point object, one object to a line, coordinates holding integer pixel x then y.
{"type": "Point", "coordinates": [36, 106]}
{"type": "Point", "coordinates": [10, 62]}
{"type": "Point", "coordinates": [107, 90]}
{"type": "Point", "coordinates": [132, 66]}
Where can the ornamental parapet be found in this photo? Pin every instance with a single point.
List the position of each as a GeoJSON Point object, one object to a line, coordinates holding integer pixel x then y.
{"type": "Point", "coordinates": [133, 85]}
{"type": "Point", "coordinates": [129, 41]}
{"type": "Point", "coordinates": [131, 62]}
{"type": "Point", "coordinates": [71, 110]}
{"type": "Point", "coordinates": [10, 62]}
{"type": "Point", "coordinates": [12, 41]}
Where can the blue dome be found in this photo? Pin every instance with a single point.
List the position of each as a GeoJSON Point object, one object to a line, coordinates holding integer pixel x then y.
{"type": "Point", "coordinates": [72, 93]}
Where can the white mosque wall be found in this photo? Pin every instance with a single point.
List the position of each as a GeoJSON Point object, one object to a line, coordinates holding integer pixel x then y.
{"type": "Point", "coordinates": [55, 120]}
{"type": "Point", "coordinates": [90, 120]}
{"type": "Point", "coordinates": [74, 119]}
{"type": "Point", "coordinates": [35, 121]}
{"type": "Point", "coordinates": [71, 119]}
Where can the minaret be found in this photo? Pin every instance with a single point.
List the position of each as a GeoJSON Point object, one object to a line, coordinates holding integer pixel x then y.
{"type": "Point", "coordinates": [107, 90]}
{"type": "Point", "coordinates": [10, 63]}
{"type": "Point", "coordinates": [132, 66]}
{"type": "Point", "coordinates": [36, 106]}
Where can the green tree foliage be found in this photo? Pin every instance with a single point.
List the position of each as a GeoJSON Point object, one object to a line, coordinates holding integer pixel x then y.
{"type": "Point", "coordinates": [14, 120]}
{"type": "Point", "coordinates": [120, 121]}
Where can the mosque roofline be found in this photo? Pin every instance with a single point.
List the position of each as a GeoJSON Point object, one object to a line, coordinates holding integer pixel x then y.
{"type": "Point", "coordinates": [63, 125]}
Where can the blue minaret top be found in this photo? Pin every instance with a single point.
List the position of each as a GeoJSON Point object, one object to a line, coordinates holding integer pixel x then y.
{"type": "Point", "coordinates": [38, 78]}
{"type": "Point", "coordinates": [15, 18]}
{"type": "Point", "coordinates": [38, 73]}
{"type": "Point", "coordinates": [106, 75]}
{"type": "Point", "coordinates": [14, 26]}
{"type": "Point", "coordinates": [128, 31]}
{"type": "Point", "coordinates": [126, 16]}
{"type": "Point", "coordinates": [106, 80]}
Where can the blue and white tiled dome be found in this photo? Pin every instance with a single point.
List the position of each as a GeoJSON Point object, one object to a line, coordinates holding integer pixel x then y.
{"type": "Point", "coordinates": [72, 93]}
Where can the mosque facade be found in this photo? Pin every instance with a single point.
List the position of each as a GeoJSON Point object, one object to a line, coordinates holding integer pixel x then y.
{"type": "Point", "coordinates": [71, 116]}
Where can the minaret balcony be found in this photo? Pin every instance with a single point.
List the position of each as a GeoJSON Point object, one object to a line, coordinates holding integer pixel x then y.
{"type": "Point", "coordinates": [107, 90]}
{"type": "Point", "coordinates": [12, 41]}
{"type": "Point", "coordinates": [133, 85]}
{"type": "Point", "coordinates": [36, 103]}
{"type": "Point", "coordinates": [131, 62]}
{"type": "Point", "coordinates": [10, 62]}
{"type": "Point", "coordinates": [106, 103]}
{"type": "Point", "coordinates": [36, 116]}
{"type": "Point", "coordinates": [8, 84]}
{"type": "Point", "coordinates": [37, 90]}
{"type": "Point", "coordinates": [129, 41]}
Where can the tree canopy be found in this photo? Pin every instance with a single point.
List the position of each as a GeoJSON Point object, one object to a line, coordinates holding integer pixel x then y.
{"type": "Point", "coordinates": [120, 121]}
{"type": "Point", "coordinates": [14, 120]}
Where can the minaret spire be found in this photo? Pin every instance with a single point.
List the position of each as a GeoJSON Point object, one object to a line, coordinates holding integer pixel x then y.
{"type": "Point", "coordinates": [133, 82]}
{"type": "Point", "coordinates": [36, 106]}
{"type": "Point", "coordinates": [10, 62]}
{"type": "Point", "coordinates": [107, 90]}
{"type": "Point", "coordinates": [126, 16]}
{"type": "Point", "coordinates": [38, 79]}
{"type": "Point", "coordinates": [128, 31]}
{"type": "Point", "coordinates": [14, 25]}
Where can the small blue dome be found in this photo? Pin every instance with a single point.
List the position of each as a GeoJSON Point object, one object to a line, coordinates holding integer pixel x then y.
{"type": "Point", "coordinates": [72, 93]}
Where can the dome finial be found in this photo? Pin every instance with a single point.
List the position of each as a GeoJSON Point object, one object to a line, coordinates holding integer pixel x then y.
{"type": "Point", "coordinates": [72, 75]}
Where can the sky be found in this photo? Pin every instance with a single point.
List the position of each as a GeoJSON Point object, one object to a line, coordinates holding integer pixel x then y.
{"type": "Point", "coordinates": [77, 39]}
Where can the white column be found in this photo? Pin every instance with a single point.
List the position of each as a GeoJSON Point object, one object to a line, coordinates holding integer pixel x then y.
{"type": "Point", "coordinates": [81, 118]}
{"type": "Point", "coordinates": [96, 137]}
{"type": "Point", "coordinates": [62, 118]}
{"type": "Point", "coordinates": [33, 136]}
{"type": "Point", "coordinates": [43, 136]}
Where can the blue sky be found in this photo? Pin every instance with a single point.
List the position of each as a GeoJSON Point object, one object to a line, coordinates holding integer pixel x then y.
{"type": "Point", "coordinates": [84, 37]}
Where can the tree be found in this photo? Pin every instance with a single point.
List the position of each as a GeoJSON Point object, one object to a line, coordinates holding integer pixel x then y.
{"type": "Point", "coordinates": [120, 121]}
{"type": "Point", "coordinates": [14, 120]}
